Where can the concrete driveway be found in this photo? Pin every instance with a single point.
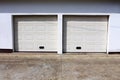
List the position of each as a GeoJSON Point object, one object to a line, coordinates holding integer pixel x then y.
{"type": "Point", "coordinates": [59, 67]}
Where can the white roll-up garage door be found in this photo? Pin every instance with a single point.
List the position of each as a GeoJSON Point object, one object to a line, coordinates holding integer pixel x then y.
{"type": "Point", "coordinates": [35, 33]}
{"type": "Point", "coordinates": [85, 33]}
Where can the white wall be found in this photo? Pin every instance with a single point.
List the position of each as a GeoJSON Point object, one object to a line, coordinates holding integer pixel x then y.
{"type": "Point", "coordinates": [9, 7]}
{"type": "Point", "coordinates": [114, 33]}
{"type": "Point", "coordinates": [5, 31]}
{"type": "Point", "coordinates": [59, 6]}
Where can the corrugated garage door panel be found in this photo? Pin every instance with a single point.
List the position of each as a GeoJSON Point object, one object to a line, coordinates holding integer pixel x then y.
{"type": "Point", "coordinates": [87, 32]}
{"type": "Point", "coordinates": [31, 32]}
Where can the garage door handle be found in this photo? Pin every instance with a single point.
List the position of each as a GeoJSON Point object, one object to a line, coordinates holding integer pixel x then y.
{"type": "Point", "coordinates": [78, 47]}
{"type": "Point", "coordinates": [41, 47]}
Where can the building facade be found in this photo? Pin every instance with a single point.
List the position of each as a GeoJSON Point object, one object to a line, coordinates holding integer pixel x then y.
{"type": "Point", "coordinates": [62, 26]}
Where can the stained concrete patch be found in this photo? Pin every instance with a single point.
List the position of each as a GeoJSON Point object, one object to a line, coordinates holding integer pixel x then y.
{"type": "Point", "coordinates": [31, 69]}
{"type": "Point", "coordinates": [59, 67]}
{"type": "Point", "coordinates": [90, 68]}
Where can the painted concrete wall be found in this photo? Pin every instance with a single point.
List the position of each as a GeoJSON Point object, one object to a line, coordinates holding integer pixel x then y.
{"type": "Point", "coordinates": [5, 31]}
{"type": "Point", "coordinates": [59, 6]}
{"type": "Point", "coordinates": [8, 8]}
{"type": "Point", "coordinates": [114, 33]}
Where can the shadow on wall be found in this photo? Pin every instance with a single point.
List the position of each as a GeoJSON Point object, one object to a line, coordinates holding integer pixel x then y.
{"type": "Point", "coordinates": [59, 6]}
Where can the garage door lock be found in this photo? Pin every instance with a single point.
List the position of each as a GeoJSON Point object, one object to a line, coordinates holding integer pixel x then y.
{"type": "Point", "coordinates": [78, 47]}
{"type": "Point", "coordinates": [41, 47]}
